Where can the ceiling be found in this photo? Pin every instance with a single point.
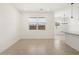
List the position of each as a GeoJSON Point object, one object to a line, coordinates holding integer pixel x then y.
{"type": "Point", "coordinates": [39, 7]}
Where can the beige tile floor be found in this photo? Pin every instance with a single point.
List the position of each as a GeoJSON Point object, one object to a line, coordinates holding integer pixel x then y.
{"type": "Point", "coordinates": [40, 47]}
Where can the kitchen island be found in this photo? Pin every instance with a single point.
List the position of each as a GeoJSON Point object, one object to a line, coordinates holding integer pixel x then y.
{"type": "Point", "coordinates": [72, 39]}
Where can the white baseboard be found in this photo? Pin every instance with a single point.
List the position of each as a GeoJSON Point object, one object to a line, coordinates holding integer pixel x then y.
{"type": "Point", "coordinates": [10, 44]}
{"type": "Point", "coordinates": [72, 46]}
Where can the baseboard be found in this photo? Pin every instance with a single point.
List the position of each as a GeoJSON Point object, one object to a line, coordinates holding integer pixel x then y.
{"type": "Point", "coordinates": [10, 44]}
{"type": "Point", "coordinates": [37, 38]}
{"type": "Point", "coordinates": [71, 46]}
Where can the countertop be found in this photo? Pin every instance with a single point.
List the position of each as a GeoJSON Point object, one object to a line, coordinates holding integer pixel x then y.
{"type": "Point", "coordinates": [71, 33]}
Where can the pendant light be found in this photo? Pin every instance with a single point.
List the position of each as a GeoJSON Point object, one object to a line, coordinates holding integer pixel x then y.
{"type": "Point", "coordinates": [72, 10]}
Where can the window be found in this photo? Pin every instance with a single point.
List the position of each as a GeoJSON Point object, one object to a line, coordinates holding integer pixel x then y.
{"type": "Point", "coordinates": [37, 23]}
{"type": "Point", "coordinates": [41, 27]}
{"type": "Point", "coordinates": [32, 27]}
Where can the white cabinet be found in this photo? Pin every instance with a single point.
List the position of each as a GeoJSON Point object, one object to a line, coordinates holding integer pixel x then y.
{"type": "Point", "coordinates": [72, 40]}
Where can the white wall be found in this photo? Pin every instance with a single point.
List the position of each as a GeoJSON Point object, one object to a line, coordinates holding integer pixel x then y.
{"type": "Point", "coordinates": [37, 34]}
{"type": "Point", "coordinates": [9, 18]}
